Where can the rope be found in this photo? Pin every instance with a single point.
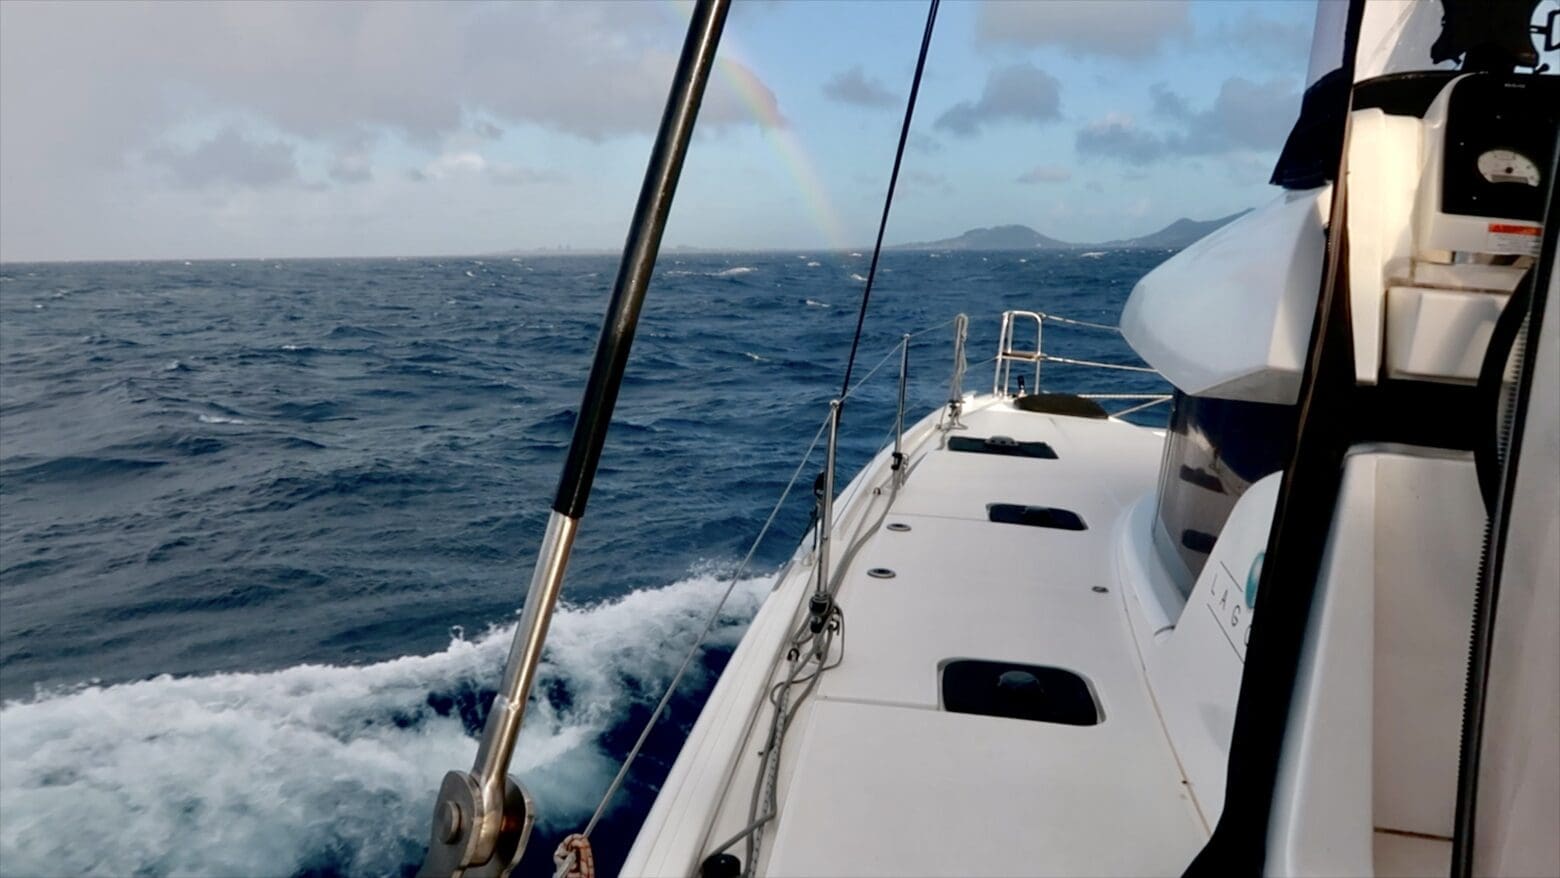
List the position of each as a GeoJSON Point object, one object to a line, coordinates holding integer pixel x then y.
{"type": "Point", "coordinates": [1140, 406]}
{"type": "Point", "coordinates": [1105, 326]}
{"type": "Point", "coordinates": [1156, 397]}
{"type": "Point", "coordinates": [574, 858]}
{"type": "Point", "coordinates": [566, 858]}
{"type": "Point", "coordinates": [961, 331]}
{"type": "Point", "coordinates": [895, 350]}
{"type": "Point", "coordinates": [888, 200]}
{"type": "Point", "coordinates": [1071, 362]}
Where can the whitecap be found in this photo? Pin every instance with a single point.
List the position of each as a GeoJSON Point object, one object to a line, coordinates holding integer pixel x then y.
{"type": "Point", "coordinates": [754, 357]}
{"type": "Point", "coordinates": [858, 278]}
{"type": "Point", "coordinates": [734, 272]}
{"type": "Point", "coordinates": [1092, 254]}
{"type": "Point", "coordinates": [855, 254]}
{"type": "Point", "coordinates": [289, 347]}
{"type": "Point", "coordinates": [814, 303]}
{"type": "Point", "coordinates": [272, 773]}
{"type": "Point", "coordinates": [220, 419]}
{"type": "Point", "coordinates": [814, 264]}
{"type": "Point", "coordinates": [469, 274]}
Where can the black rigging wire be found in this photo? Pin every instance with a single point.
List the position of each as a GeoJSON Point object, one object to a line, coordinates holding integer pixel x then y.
{"type": "Point", "coordinates": [888, 201]}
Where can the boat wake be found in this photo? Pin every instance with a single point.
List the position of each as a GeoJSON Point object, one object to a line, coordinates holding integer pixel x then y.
{"type": "Point", "coordinates": [318, 768]}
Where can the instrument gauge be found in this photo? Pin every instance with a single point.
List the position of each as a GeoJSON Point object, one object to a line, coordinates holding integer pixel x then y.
{"type": "Point", "coordinates": [1508, 166]}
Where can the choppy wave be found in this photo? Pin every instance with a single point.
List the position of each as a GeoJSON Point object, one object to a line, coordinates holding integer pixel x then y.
{"type": "Point", "coordinates": [738, 271]}
{"type": "Point", "coordinates": [325, 767]}
{"type": "Point", "coordinates": [858, 277]}
{"type": "Point", "coordinates": [814, 303]}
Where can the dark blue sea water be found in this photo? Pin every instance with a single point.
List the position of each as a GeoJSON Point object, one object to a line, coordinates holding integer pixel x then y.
{"type": "Point", "coordinates": [264, 526]}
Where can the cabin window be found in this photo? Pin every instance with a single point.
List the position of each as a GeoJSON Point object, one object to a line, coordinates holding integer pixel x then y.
{"type": "Point", "coordinates": [1214, 450]}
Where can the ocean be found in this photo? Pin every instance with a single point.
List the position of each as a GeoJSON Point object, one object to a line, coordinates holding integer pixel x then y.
{"type": "Point", "coordinates": [265, 525]}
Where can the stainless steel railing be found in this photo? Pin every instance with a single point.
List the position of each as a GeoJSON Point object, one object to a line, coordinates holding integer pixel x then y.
{"type": "Point", "coordinates": [1008, 355]}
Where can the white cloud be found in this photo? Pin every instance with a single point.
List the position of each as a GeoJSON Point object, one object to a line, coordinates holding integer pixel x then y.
{"type": "Point", "coordinates": [469, 163]}
{"type": "Point", "coordinates": [228, 158]}
{"type": "Point", "coordinates": [1021, 92]}
{"type": "Point", "coordinates": [1045, 174]}
{"type": "Point", "coordinates": [853, 86]}
{"type": "Point", "coordinates": [1116, 28]}
{"type": "Point", "coordinates": [1244, 116]}
{"type": "Point", "coordinates": [89, 90]}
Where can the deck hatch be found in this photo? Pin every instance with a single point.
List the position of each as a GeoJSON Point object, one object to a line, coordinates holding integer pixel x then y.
{"type": "Point", "coordinates": [1030, 692]}
{"type": "Point", "coordinates": [1003, 445]}
{"type": "Point", "coordinates": [1034, 516]}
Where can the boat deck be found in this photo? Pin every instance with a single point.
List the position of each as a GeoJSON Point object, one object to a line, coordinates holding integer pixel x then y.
{"type": "Point", "coordinates": [887, 782]}
{"type": "Point", "coordinates": [876, 777]}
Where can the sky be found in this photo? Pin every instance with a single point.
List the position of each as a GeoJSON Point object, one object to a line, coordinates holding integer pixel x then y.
{"type": "Point", "coordinates": [230, 130]}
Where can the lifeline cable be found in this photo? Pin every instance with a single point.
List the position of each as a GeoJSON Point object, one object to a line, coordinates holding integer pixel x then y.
{"type": "Point", "coordinates": [888, 201]}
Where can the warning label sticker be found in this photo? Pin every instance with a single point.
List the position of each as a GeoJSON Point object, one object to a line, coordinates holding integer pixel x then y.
{"type": "Point", "coordinates": [1509, 238]}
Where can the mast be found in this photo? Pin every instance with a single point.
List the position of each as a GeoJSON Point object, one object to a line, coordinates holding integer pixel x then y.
{"type": "Point", "coordinates": [483, 817]}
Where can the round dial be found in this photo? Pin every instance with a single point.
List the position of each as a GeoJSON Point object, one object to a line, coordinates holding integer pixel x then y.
{"type": "Point", "coordinates": [1508, 166]}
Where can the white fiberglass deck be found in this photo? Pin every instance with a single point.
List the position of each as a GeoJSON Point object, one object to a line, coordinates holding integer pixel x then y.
{"type": "Point", "coordinates": [876, 778]}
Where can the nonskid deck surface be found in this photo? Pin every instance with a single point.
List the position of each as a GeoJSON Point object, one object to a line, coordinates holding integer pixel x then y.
{"type": "Point", "coordinates": [883, 781]}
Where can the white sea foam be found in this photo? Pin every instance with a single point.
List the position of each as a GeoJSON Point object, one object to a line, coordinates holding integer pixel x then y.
{"type": "Point", "coordinates": [814, 264]}
{"type": "Point", "coordinates": [270, 773]}
{"type": "Point", "coordinates": [754, 357]}
{"type": "Point", "coordinates": [814, 303]}
{"type": "Point", "coordinates": [289, 347]}
{"type": "Point", "coordinates": [858, 278]}
{"type": "Point", "coordinates": [734, 272]}
{"type": "Point", "coordinates": [469, 274]}
{"type": "Point", "coordinates": [220, 419]}
{"type": "Point", "coordinates": [1091, 254]}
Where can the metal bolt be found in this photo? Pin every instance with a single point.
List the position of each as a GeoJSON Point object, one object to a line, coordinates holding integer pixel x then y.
{"type": "Point", "coordinates": [447, 823]}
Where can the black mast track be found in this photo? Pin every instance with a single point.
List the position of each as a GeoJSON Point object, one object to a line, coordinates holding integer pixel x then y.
{"type": "Point", "coordinates": [888, 200]}
{"type": "Point", "coordinates": [639, 254]}
{"type": "Point", "coordinates": [1307, 496]}
{"type": "Point", "coordinates": [1481, 644]}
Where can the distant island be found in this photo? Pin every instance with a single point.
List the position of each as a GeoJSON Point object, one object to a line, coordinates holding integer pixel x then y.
{"type": "Point", "coordinates": [1178, 234]}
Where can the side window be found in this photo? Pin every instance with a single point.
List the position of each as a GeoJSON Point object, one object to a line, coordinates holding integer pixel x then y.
{"type": "Point", "coordinates": [1214, 450]}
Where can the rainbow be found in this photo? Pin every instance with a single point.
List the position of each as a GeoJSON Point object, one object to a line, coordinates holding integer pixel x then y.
{"type": "Point", "coordinates": [782, 138]}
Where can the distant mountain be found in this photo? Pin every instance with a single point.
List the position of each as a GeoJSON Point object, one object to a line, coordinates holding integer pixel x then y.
{"type": "Point", "coordinates": [1181, 233]}
{"type": "Point", "coordinates": [994, 238]}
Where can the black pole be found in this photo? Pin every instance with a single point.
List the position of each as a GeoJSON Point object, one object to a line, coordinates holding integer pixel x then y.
{"type": "Point", "coordinates": [483, 818]}
{"type": "Point", "coordinates": [639, 254]}
{"type": "Point", "coordinates": [1302, 517]}
{"type": "Point", "coordinates": [888, 200]}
